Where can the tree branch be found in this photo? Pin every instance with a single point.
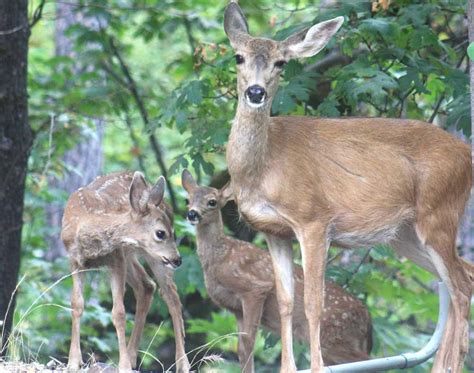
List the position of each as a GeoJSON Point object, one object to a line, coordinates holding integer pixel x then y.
{"type": "Point", "coordinates": [154, 143]}
{"type": "Point", "coordinates": [37, 14]}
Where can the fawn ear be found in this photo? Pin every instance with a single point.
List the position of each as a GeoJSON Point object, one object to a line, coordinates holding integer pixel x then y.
{"type": "Point", "coordinates": [158, 191]}
{"type": "Point", "coordinates": [235, 25]}
{"type": "Point", "coordinates": [139, 194]}
{"type": "Point", "coordinates": [310, 41]}
{"type": "Point", "coordinates": [227, 193]}
{"type": "Point", "coordinates": [189, 184]}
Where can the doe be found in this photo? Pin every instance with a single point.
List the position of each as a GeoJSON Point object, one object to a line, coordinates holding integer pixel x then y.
{"type": "Point", "coordinates": [353, 182]}
{"type": "Point", "coordinates": [239, 277]}
{"type": "Point", "coordinates": [109, 223]}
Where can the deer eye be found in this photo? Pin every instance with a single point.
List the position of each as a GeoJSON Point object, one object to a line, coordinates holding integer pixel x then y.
{"type": "Point", "coordinates": [186, 201]}
{"type": "Point", "coordinates": [160, 235]}
{"type": "Point", "coordinates": [280, 64]}
{"type": "Point", "coordinates": [239, 59]}
{"type": "Point", "coordinates": [212, 203]}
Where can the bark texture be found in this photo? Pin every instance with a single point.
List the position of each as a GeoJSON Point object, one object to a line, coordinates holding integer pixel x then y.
{"type": "Point", "coordinates": [83, 162]}
{"type": "Point", "coordinates": [15, 143]}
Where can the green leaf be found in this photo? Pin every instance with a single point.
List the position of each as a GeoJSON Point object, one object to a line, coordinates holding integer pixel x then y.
{"type": "Point", "coordinates": [328, 108]}
{"type": "Point", "coordinates": [384, 27]}
{"type": "Point", "coordinates": [194, 92]}
{"type": "Point", "coordinates": [470, 51]}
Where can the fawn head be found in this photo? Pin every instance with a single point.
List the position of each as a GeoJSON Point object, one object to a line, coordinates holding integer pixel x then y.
{"type": "Point", "coordinates": [152, 222]}
{"type": "Point", "coordinates": [260, 61]}
{"type": "Point", "coordinates": [204, 202]}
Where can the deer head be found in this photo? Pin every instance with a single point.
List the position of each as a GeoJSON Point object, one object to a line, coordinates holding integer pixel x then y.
{"type": "Point", "coordinates": [204, 202]}
{"type": "Point", "coordinates": [260, 61]}
{"type": "Point", "coordinates": [151, 223]}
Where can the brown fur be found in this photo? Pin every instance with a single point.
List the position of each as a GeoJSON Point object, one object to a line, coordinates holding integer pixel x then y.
{"type": "Point", "coordinates": [350, 181]}
{"type": "Point", "coordinates": [109, 223]}
{"type": "Point", "coordinates": [235, 271]}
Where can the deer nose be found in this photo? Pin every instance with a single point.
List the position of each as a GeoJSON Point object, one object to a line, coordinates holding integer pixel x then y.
{"type": "Point", "coordinates": [193, 216]}
{"type": "Point", "coordinates": [255, 94]}
{"type": "Point", "coordinates": [177, 262]}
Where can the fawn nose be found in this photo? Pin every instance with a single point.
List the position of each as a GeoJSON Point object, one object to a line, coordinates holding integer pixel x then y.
{"type": "Point", "coordinates": [255, 94]}
{"type": "Point", "coordinates": [172, 263]}
{"type": "Point", "coordinates": [177, 262]}
{"type": "Point", "coordinates": [193, 216]}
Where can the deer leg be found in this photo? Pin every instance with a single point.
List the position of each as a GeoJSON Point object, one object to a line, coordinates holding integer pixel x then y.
{"type": "Point", "coordinates": [117, 272]}
{"type": "Point", "coordinates": [314, 247]}
{"type": "Point", "coordinates": [143, 288]}
{"type": "Point", "coordinates": [455, 342]}
{"type": "Point", "coordinates": [252, 306]}
{"type": "Point", "coordinates": [170, 295]}
{"type": "Point", "coordinates": [282, 258]}
{"type": "Point", "coordinates": [438, 236]}
{"type": "Point", "coordinates": [240, 350]}
{"type": "Point", "coordinates": [77, 305]}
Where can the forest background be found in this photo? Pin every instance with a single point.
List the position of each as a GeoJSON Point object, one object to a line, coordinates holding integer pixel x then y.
{"type": "Point", "coordinates": [150, 85]}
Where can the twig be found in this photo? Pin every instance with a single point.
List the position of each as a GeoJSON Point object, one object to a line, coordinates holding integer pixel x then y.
{"type": "Point", "coordinates": [38, 13]}
{"type": "Point", "coordinates": [441, 98]}
{"type": "Point", "coordinates": [13, 30]}
{"type": "Point", "coordinates": [357, 268]}
{"type": "Point", "coordinates": [155, 145]}
{"type": "Point", "coordinates": [50, 145]}
{"type": "Point", "coordinates": [141, 160]}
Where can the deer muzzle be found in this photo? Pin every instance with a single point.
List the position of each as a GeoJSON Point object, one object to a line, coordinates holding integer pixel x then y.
{"type": "Point", "coordinates": [255, 95]}
{"type": "Point", "coordinates": [173, 262]}
{"type": "Point", "coordinates": [193, 217]}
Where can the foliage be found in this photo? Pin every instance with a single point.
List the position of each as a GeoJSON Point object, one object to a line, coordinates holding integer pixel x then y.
{"type": "Point", "coordinates": [165, 69]}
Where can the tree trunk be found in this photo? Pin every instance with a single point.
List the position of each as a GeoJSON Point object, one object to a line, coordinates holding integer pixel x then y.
{"type": "Point", "coordinates": [86, 157]}
{"type": "Point", "coordinates": [15, 143]}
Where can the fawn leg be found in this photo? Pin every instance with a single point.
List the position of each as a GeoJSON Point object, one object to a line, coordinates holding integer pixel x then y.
{"type": "Point", "coordinates": [282, 258]}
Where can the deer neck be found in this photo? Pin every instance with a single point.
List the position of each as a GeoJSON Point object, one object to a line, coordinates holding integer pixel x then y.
{"type": "Point", "coordinates": [210, 237]}
{"type": "Point", "coordinates": [248, 141]}
{"type": "Point", "coordinates": [119, 232]}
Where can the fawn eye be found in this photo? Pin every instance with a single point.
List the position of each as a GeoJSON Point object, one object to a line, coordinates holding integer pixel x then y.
{"type": "Point", "coordinates": [280, 64]}
{"type": "Point", "coordinates": [186, 201]}
{"type": "Point", "coordinates": [239, 59]}
{"type": "Point", "coordinates": [160, 235]}
{"type": "Point", "coordinates": [212, 203]}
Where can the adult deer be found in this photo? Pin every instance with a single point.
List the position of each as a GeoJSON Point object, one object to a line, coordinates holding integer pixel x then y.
{"type": "Point", "coordinates": [239, 278]}
{"type": "Point", "coordinates": [352, 182]}
{"type": "Point", "coordinates": [109, 223]}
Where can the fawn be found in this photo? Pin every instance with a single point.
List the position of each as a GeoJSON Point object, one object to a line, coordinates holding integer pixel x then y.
{"type": "Point", "coordinates": [239, 277]}
{"type": "Point", "coordinates": [352, 182]}
{"type": "Point", "coordinates": [109, 223]}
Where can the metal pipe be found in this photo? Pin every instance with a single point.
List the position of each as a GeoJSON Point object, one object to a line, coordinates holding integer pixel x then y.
{"type": "Point", "coordinates": [406, 360]}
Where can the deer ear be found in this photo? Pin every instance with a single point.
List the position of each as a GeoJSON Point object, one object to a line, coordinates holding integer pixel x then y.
{"type": "Point", "coordinates": [227, 193]}
{"type": "Point", "coordinates": [310, 41]}
{"type": "Point", "coordinates": [189, 184]}
{"type": "Point", "coordinates": [158, 191]}
{"type": "Point", "coordinates": [139, 194]}
{"type": "Point", "coordinates": [235, 24]}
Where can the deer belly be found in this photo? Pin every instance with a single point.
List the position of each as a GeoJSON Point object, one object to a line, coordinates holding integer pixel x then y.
{"type": "Point", "coordinates": [264, 218]}
{"type": "Point", "coordinates": [363, 238]}
{"type": "Point", "coordinates": [224, 298]}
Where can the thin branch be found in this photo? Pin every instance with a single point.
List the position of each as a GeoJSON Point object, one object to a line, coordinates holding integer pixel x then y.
{"type": "Point", "coordinates": [189, 34]}
{"type": "Point", "coordinates": [133, 137]}
{"type": "Point", "coordinates": [38, 14]}
{"type": "Point", "coordinates": [155, 145]}
{"type": "Point", "coordinates": [441, 98]}
{"type": "Point", "coordinates": [13, 30]}
{"type": "Point", "coordinates": [364, 258]}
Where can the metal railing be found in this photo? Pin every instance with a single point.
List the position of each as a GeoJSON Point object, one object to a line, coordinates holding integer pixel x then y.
{"type": "Point", "coordinates": [406, 360]}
